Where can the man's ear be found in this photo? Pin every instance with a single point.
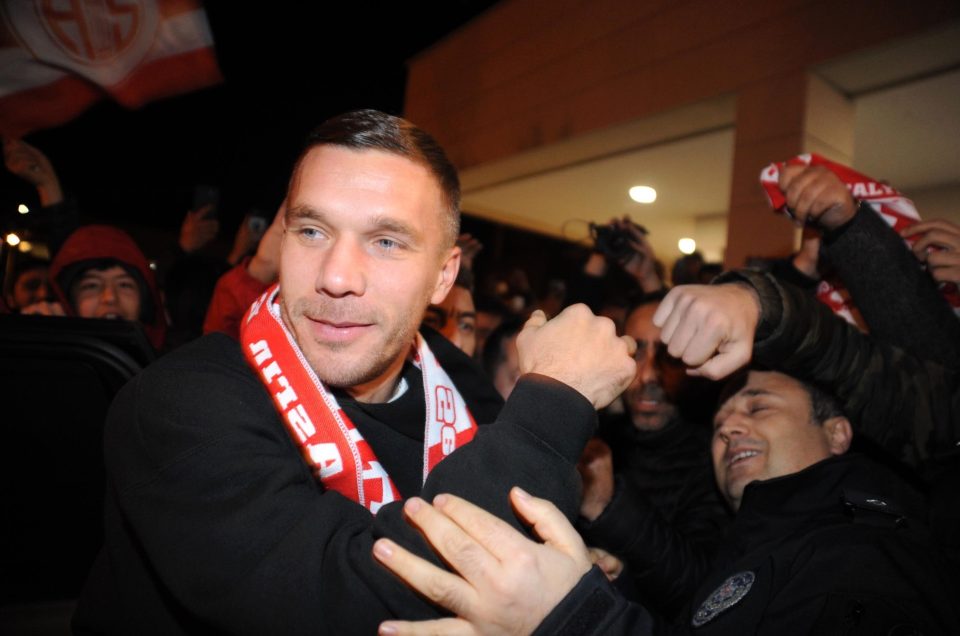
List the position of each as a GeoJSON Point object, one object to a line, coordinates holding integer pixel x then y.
{"type": "Point", "coordinates": [839, 434]}
{"type": "Point", "coordinates": [447, 276]}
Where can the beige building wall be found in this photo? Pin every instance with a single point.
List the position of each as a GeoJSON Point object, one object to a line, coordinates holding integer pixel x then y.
{"type": "Point", "coordinates": [530, 73]}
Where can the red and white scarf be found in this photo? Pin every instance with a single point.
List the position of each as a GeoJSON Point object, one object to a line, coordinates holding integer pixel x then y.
{"type": "Point", "coordinates": [329, 442]}
{"type": "Point", "coordinates": [894, 208]}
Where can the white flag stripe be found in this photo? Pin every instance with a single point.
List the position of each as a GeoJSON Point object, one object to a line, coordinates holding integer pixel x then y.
{"type": "Point", "coordinates": [20, 72]}
{"type": "Point", "coordinates": [181, 34]}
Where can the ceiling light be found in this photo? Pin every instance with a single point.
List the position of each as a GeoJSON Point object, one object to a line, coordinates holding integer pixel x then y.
{"type": "Point", "coordinates": [12, 239]}
{"type": "Point", "coordinates": [22, 208]}
{"type": "Point", "coordinates": [687, 245]}
{"type": "Point", "coordinates": [643, 194]}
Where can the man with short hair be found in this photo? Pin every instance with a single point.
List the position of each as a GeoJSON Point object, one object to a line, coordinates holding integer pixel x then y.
{"type": "Point", "coordinates": [656, 508]}
{"type": "Point", "coordinates": [455, 318]}
{"type": "Point", "coordinates": [248, 482]}
{"type": "Point", "coordinates": [823, 540]}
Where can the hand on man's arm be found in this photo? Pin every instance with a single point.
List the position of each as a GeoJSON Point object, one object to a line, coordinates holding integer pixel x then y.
{"type": "Point", "coordinates": [507, 584]}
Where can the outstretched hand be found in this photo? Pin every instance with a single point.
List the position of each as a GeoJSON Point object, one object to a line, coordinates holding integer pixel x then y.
{"type": "Point", "coordinates": [581, 350]}
{"type": "Point", "coordinates": [710, 327]}
{"type": "Point", "coordinates": [503, 583]}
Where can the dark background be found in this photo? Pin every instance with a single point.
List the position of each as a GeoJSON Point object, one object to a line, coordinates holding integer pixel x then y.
{"type": "Point", "coordinates": [287, 67]}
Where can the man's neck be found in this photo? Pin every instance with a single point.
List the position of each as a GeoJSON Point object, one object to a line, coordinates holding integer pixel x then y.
{"type": "Point", "coordinates": [381, 388]}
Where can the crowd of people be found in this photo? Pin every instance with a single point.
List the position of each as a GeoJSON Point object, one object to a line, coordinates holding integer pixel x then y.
{"type": "Point", "coordinates": [369, 439]}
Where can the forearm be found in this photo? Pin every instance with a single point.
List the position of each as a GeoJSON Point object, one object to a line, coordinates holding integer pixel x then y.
{"type": "Point", "coordinates": [898, 300]}
{"type": "Point", "coordinates": [902, 403]}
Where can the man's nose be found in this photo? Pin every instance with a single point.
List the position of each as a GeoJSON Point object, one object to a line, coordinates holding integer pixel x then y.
{"type": "Point", "coordinates": [647, 366]}
{"type": "Point", "coordinates": [341, 272]}
{"type": "Point", "coordinates": [733, 426]}
{"type": "Point", "coordinates": [108, 294]}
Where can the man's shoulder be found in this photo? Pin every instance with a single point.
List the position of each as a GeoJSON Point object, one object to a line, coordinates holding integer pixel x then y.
{"type": "Point", "coordinates": [212, 355]}
{"type": "Point", "coordinates": [209, 374]}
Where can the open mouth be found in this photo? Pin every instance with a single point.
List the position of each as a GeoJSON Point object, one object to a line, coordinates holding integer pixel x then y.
{"type": "Point", "coordinates": [741, 456]}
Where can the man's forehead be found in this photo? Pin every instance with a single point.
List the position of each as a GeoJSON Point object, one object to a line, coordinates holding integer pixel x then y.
{"type": "Point", "coordinates": [110, 271]}
{"type": "Point", "coordinates": [757, 382]}
{"type": "Point", "coordinates": [640, 322]}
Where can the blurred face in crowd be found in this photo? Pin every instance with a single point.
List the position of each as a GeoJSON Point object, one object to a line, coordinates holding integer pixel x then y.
{"type": "Point", "coordinates": [363, 254]}
{"type": "Point", "coordinates": [650, 398]}
{"type": "Point", "coordinates": [485, 323]}
{"type": "Point", "coordinates": [31, 287]}
{"type": "Point", "coordinates": [506, 375]}
{"type": "Point", "coordinates": [106, 293]}
{"type": "Point", "coordinates": [456, 319]}
{"type": "Point", "coordinates": [766, 430]}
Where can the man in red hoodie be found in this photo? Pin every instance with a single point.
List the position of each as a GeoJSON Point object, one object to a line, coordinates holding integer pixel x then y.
{"type": "Point", "coordinates": [101, 273]}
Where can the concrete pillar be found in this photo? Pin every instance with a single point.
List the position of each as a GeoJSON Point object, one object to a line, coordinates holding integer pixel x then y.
{"type": "Point", "coordinates": [777, 119]}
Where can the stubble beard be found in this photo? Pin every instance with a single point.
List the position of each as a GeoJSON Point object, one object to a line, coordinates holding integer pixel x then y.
{"type": "Point", "coordinates": [649, 420]}
{"type": "Point", "coordinates": [333, 362]}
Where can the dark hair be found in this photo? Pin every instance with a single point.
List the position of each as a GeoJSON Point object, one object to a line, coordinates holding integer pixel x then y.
{"type": "Point", "coordinates": [645, 299]}
{"type": "Point", "coordinates": [374, 130]}
{"type": "Point", "coordinates": [823, 405]}
{"type": "Point", "coordinates": [493, 350]}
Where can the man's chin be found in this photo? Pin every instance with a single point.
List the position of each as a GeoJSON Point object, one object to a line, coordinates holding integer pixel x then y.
{"type": "Point", "coordinates": [649, 421]}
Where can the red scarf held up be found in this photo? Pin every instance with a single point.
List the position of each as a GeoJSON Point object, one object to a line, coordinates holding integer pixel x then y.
{"type": "Point", "coordinates": [894, 208]}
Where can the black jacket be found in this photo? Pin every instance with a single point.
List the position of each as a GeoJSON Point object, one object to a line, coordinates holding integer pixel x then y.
{"type": "Point", "coordinates": [906, 405]}
{"type": "Point", "coordinates": [832, 549]}
{"type": "Point", "coordinates": [666, 518]}
{"type": "Point", "coordinates": [214, 523]}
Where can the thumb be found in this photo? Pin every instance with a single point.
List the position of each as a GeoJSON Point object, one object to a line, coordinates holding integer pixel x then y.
{"type": "Point", "coordinates": [537, 319]}
{"type": "Point", "coordinates": [548, 522]}
{"type": "Point", "coordinates": [722, 364]}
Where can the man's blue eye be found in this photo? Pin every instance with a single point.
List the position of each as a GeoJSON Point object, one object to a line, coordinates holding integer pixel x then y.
{"type": "Point", "coordinates": [387, 244]}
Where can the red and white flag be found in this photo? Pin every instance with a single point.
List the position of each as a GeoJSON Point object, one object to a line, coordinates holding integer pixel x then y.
{"type": "Point", "coordinates": [57, 57]}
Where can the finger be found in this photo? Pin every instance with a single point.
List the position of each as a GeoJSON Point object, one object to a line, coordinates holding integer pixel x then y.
{"type": "Point", "coordinates": [492, 536]}
{"type": "Point", "coordinates": [938, 238]}
{"type": "Point", "coordinates": [537, 319]}
{"type": "Point", "coordinates": [943, 258]}
{"type": "Point", "coordinates": [788, 175]}
{"type": "Point", "coordinates": [708, 341]}
{"type": "Point", "coordinates": [631, 345]}
{"type": "Point", "coordinates": [933, 224]}
{"type": "Point", "coordinates": [666, 306]}
{"type": "Point", "coordinates": [443, 588]}
{"type": "Point", "coordinates": [469, 539]}
{"type": "Point", "coordinates": [680, 338]}
{"type": "Point", "coordinates": [679, 315]}
{"type": "Point", "coordinates": [437, 627]}
{"type": "Point", "coordinates": [946, 274]}
{"type": "Point", "coordinates": [723, 364]}
{"type": "Point", "coordinates": [549, 523]}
